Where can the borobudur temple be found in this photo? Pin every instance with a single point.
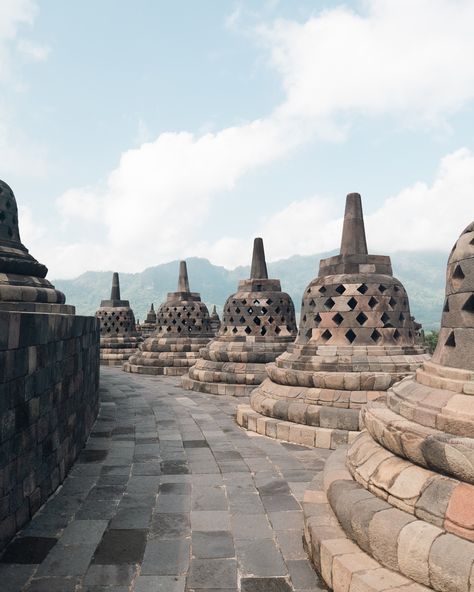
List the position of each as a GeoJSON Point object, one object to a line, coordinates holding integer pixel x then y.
{"type": "Point", "coordinates": [356, 339]}
{"type": "Point", "coordinates": [183, 328]}
{"type": "Point", "coordinates": [257, 325]}
{"type": "Point", "coordinates": [398, 505]}
{"type": "Point", "coordinates": [118, 335]}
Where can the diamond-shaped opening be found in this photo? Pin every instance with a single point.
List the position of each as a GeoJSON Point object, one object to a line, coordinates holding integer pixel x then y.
{"type": "Point", "coordinates": [257, 321]}
{"type": "Point", "coordinates": [352, 303]}
{"type": "Point", "coordinates": [244, 302]}
{"type": "Point", "coordinates": [396, 288]}
{"type": "Point", "coordinates": [264, 310]}
{"type": "Point", "coordinates": [304, 318]}
{"type": "Point", "coordinates": [250, 310]}
{"type": "Point", "coordinates": [237, 310]}
{"type": "Point", "coordinates": [373, 302]}
{"type": "Point", "coordinates": [309, 334]}
{"type": "Point", "coordinates": [168, 328]}
{"type": "Point", "coordinates": [242, 320]}
{"type": "Point", "coordinates": [392, 302]}
{"type": "Point", "coordinates": [338, 318]}
{"type": "Point", "coordinates": [174, 321]}
{"type": "Point", "coordinates": [317, 319]}
{"type": "Point", "coordinates": [263, 331]}
{"type": "Point", "coordinates": [277, 309]}
{"type": "Point", "coordinates": [308, 291]}
{"type": "Point", "coordinates": [458, 276]}
{"type": "Point", "coordinates": [362, 289]}
{"type": "Point", "coordinates": [382, 288]}
{"type": "Point", "coordinates": [322, 289]}
{"type": "Point", "coordinates": [179, 329]}
{"type": "Point", "coordinates": [231, 319]}
{"type": "Point", "coordinates": [350, 336]}
{"type": "Point", "coordinates": [450, 341]}
{"type": "Point", "coordinates": [311, 302]}
{"type": "Point", "coordinates": [375, 336]}
{"type": "Point", "coordinates": [396, 334]}
{"type": "Point", "coordinates": [248, 330]}
{"type": "Point", "coordinates": [234, 330]}
{"type": "Point", "coordinates": [446, 305]}
{"type": "Point", "coordinates": [256, 301]}
{"type": "Point", "coordinates": [326, 335]}
{"type": "Point", "coordinates": [469, 304]}
{"type": "Point", "coordinates": [471, 242]}
{"type": "Point", "coordinates": [340, 289]}
{"type": "Point", "coordinates": [401, 318]}
{"type": "Point", "coordinates": [277, 330]}
{"type": "Point", "coordinates": [270, 319]}
{"type": "Point", "coordinates": [329, 304]}
{"type": "Point", "coordinates": [361, 318]}
{"type": "Point", "coordinates": [270, 301]}
{"type": "Point", "coordinates": [385, 318]}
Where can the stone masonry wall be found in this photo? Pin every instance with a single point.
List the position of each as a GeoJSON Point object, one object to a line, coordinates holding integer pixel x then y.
{"type": "Point", "coordinates": [49, 381]}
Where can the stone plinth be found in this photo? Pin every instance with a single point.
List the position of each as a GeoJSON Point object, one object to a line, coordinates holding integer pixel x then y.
{"type": "Point", "coordinates": [356, 339]}
{"type": "Point", "coordinates": [401, 498]}
{"type": "Point", "coordinates": [257, 325]}
{"type": "Point", "coordinates": [49, 379]}
{"type": "Point", "coordinates": [183, 328]}
{"type": "Point", "coordinates": [118, 335]}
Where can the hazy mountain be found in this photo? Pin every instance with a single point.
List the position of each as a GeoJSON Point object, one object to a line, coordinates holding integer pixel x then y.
{"type": "Point", "coordinates": [421, 272]}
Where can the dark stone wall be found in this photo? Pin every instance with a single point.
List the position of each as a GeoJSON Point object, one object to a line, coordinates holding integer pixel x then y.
{"type": "Point", "coordinates": [49, 397]}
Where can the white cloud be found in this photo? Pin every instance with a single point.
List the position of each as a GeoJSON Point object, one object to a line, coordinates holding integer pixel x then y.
{"type": "Point", "coordinates": [409, 59]}
{"type": "Point", "coordinates": [33, 51]}
{"type": "Point", "coordinates": [13, 14]}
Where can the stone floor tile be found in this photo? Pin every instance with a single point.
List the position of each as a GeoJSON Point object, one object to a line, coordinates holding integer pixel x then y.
{"type": "Point", "coordinates": [302, 575]}
{"type": "Point", "coordinates": [260, 558]}
{"type": "Point", "coordinates": [83, 532]}
{"type": "Point", "coordinates": [109, 575]}
{"type": "Point", "coordinates": [160, 584]}
{"type": "Point", "coordinates": [14, 576]}
{"type": "Point", "coordinates": [28, 550]}
{"type": "Point", "coordinates": [53, 584]}
{"type": "Point", "coordinates": [265, 585]}
{"type": "Point", "coordinates": [166, 557]}
{"type": "Point", "coordinates": [207, 574]}
{"type": "Point", "coordinates": [210, 520]}
{"type": "Point", "coordinates": [251, 527]}
{"type": "Point", "coordinates": [212, 545]}
{"type": "Point", "coordinates": [170, 526]}
{"type": "Point", "coordinates": [66, 560]}
{"type": "Point", "coordinates": [120, 547]}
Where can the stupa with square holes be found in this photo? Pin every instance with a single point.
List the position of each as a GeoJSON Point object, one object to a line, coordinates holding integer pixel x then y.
{"type": "Point", "coordinates": [356, 338]}
{"type": "Point", "coordinates": [49, 379]}
{"type": "Point", "coordinates": [183, 328]}
{"type": "Point", "coordinates": [257, 325]}
{"type": "Point", "coordinates": [400, 501]}
{"type": "Point", "coordinates": [118, 335]}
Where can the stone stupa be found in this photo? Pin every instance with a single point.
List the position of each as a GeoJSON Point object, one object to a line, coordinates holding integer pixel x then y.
{"type": "Point", "coordinates": [398, 505]}
{"type": "Point", "coordinates": [118, 335]}
{"type": "Point", "coordinates": [356, 339]}
{"type": "Point", "coordinates": [183, 328]}
{"type": "Point", "coordinates": [215, 321]}
{"type": "Point", "coordinates": [148, 327]}
{"type": "Point", "coordinates": [257, 325]}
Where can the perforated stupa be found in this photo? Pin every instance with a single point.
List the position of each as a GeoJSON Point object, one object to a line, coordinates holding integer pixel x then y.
{"type": "Point", "coordinates": [148, 327]}
{"type": "Point", "coordinates": [401, 498]}
{"type": "Point", "coordinates": [215, 321]}
{"type": "Point", "coordinates": [183, 327]}
{"type": "Point", "coordinates": [118, 335]}
{"type": "Point", "coordinates": [257, 325]}
{"type": "Point", "coordinates": [356, 338]}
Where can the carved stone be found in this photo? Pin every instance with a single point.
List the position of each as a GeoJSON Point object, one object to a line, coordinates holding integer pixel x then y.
{"type": "Point", "coordinates": [258, 323]}
{"type": "Point", "coordinates": [183, 327]}
{"type": "Point", "coordinates": [401, 498]}
{"type": "Point", "coordinates": [356, 338]}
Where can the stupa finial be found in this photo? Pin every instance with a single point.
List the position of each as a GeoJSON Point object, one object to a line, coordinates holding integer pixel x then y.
{"type": "Point", "coordinates": [259, 265]}
{"type": "Point", "coordinates": [353, 233]}
{"type": "Point", "coordinates": [115, 293]}
{"type": "Point", "coordinates": [183, 281]}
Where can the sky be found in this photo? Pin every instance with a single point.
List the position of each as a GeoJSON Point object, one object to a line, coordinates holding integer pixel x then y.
{"type": "Point", "coordinates": [138, 132]}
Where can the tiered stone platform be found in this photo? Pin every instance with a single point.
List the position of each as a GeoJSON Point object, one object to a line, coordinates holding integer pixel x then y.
{"type": "Point", "coordinates": [397, 508]}
{"type": "Point", "coordinates": [356, 339]}
{"type": "Point", "coordinates": [257, 325]}
{"type": "Point", "coordinates": [49, 375]}
{"type": "Point", "coordinates": [183, 328]}
{"type": "Point", "coordinates": [118, 335]}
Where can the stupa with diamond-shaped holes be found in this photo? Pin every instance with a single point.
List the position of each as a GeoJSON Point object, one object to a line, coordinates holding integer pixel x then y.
{"type": "Point", "coordinates": [118, 335]}
{"type": "Point", "coordinates": [215, 321]}
{"type": "Point", "coordinates": [148, 327]}
{"type": "Point", "coordinates": [356, 338]}
{"type": "Point", "coordinates": [257, 325]}
{"type": "Point", "coordinates": [400, 500]}
{"type": "Point", "coordinates": [183, 327]}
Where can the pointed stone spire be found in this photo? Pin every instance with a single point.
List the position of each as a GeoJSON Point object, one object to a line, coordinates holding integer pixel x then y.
{"type": "Point", "coordinates": [115, 293]}
{"type": "Point", "coordinates": [183, 282]}
{"type": "Point", "coordinates": [353, 233]}
{"type": "Point", "coordinates": [214, 311]}
{"type": "Point", "coordinates": [152, 307]}
{"type": "Point", "coordinates": [259, 265]}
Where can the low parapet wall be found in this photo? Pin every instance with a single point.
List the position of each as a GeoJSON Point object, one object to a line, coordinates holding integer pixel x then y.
{"type": "Point", "coordinates": [49, 398]}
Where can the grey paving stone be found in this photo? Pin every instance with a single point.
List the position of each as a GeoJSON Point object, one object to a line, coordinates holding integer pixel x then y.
{"type": "Point", "coordinates": [14, 576]}
{"type": "Point", "coordinates": [209, 498]}
{"type": "Point", "coordinates": [212, 545]}
{"type": "Point", "coordinates": [170, 526]}
{"type": "Point", "coordinates": [83, 532]}
{"type": "Point", "coordinates": [54, 584]}
{"type": "Point", "coordinates": [173, 504]}
{"type": "Point", "coordinates": [254, 526]}
{"type": "Point", "coordinates": [109, 575]}
{"type": "Point", "coordinates": [67, 560]}
{"type": "Point", "coordinates": [278, 503]}
{"type": "Point", "coordinates": [265, 585]}
{"type": "Point", "coordinates": [160, 584]}
{"type": "Point", "coordinates": [120, 547]}
{"type": "Point", "coordinates": [175, 488]}
{"type": "Point", "coordinates": [260, 558]}
{"type": "Point", "coordinates": [210, 520]}
{"type": "Point", "coordinates": [291, 544]}
{"type": "Point", "coordinates": [302, 575]}
{"type": "Point", "coordinates": [290, 520]}
{"type": "Point", "coordinates": [132, 518]}
{"type": "Point", "coordinates": [166, 557]}
{"type": "Point", "coordinates": [27, 550]}
{"type": "Point", "coordinates": [212, 573]}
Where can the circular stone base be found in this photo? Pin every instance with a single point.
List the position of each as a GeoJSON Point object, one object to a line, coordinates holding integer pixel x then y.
{"type": "Point", "coordinates": [216, 388]}
{"type": "Point", "coordinates": [155, 370]}
{"type": "Point", "coordinates": [288, 431]}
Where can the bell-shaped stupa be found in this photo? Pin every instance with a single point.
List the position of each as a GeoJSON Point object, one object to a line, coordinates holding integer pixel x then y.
{"type": "Point", "coordinates": [356, 338]}
{"type": "Point", "coordinates": [149, 326]}
{"type": "Point", "coordinates": [118, 335]}
{"type": "Point", "coordinates": [400, 500]}
{"type": "Point", "coordinates": [257, 325]}
{"type": "Point", "coordinates": [183, 328]}
{"type": "Point", "coordinates": [215, 321]}
{"type": "Point", "coordinates": [23, 283]}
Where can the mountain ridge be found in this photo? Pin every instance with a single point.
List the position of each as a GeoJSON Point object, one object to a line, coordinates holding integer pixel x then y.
{"type": "Point", "coordinates": [421, 272]}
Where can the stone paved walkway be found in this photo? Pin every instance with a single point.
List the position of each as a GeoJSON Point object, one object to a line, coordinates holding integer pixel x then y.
{"type": "Point", "coordinates": [170, 495]}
